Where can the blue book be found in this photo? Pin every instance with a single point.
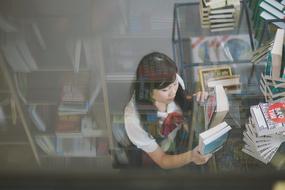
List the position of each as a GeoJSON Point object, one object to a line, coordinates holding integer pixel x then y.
{"type": "Point", "coordinates": [213, 139]}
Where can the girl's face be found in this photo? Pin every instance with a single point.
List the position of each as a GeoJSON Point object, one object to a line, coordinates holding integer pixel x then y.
{"type": "Point", "coordinates": [167, 94]}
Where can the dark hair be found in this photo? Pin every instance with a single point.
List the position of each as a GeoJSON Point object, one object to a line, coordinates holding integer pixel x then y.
{"type": "Point", "coordinates": [155, 71]}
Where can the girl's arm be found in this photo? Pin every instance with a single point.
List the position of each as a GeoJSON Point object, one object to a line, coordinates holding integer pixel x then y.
{"type": "Point", "coordinates": [174, 161]}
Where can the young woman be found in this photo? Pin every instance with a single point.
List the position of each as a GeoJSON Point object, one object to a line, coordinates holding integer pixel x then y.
{"type": "Point", "coordinates": [154, 117]}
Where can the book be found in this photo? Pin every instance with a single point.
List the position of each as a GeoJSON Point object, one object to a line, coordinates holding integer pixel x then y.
{"type": "Point", "coordinates": [268, 117]}
{"type": "Point", "coordinates": [89, 128]}
{"type": "Point", "coordinates": [219, 15]}
{"type": "Point", "coordinates": [102, 146]}
{"type": "Point", "coordinates": [221, 20]}
{"type": "Point", "coordinates": [207, 73]}
{"type": "Point", "coordinates": [221, 29]}
{"type": "Point", "coordinates": [68, 124]}
{"type": "Point", "coordinates": [46, 143]}
{"type": "Point", "coordinates": [270, 9]}
{"type": "Point", "coordinates": [275, 4]}
{"type": "Point", "coordinates": [261, 53]}
{"type": "Point", "coordinates": [276, 53]}
{"type": "Point", "coordinates": [217, 107]}
{"type": "Point", "coordinates": [213, 139]}
{"type": "Point", "coordinates": [215, 3]}
{"type": "Point", "coordinates": [267, 16]}
{"type": "Point", "coordinates": [76, 146]}
{"type": "Point", "coordinates": [226, 9]}
{"type": "Point", "coordinates": [224, 81]}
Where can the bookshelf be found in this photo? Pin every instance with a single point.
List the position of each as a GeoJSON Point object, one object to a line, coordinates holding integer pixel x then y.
{"type": "Point", "coordinates": [64, 87]}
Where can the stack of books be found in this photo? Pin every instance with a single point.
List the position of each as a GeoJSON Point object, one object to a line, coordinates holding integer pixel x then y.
{"type": "Point", "coordinates": [267, 10]}
{"type": "Point", "coordinates": [272, 82]}
{"type": "Point", "coordinates": [265, 130]}
{"type": "Point", "coordinates": [74, 95]}
{"type": "Point", "coordinates": [219, 15]}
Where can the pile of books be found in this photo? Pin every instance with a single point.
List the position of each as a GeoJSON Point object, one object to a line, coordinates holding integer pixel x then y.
{"type": "Point", "coordinates": [74, 95]}
{"type": "Point", "coordinates": [265, 130]}
{"type": "Point", "coordinates": [272, 82]}
{"type": "Point", "coordinates": [267, 10]}
{"type": "Point", "coordinates": [219, 15]}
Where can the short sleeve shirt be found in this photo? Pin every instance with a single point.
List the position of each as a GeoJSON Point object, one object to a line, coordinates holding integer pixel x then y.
{"type": "Point", "coordinates": [136, 133]}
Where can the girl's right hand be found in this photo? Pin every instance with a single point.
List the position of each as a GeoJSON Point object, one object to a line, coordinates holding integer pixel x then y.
{"type": "Point", "coordinates": [198, 158]}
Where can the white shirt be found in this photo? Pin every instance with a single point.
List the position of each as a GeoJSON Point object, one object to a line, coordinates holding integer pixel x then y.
{"type": "Point", "coordinates": [139, 136]}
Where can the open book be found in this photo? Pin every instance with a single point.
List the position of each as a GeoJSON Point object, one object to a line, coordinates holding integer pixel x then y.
{"type": "Point", "coordinates": [213, 139]}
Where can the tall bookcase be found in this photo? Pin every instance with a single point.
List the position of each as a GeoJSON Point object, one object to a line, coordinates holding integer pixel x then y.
{"type": "Point", "coordinates": [53, 65]}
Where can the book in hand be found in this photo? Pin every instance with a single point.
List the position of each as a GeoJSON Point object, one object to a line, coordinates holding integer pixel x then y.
{"type": "Point", "coordinates": [213, 139]}
{"type": "Point", "coordinates": [217, 107]}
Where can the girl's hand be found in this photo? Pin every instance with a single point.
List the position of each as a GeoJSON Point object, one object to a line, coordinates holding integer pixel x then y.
{"type": "Point", "coordinates": [201, 96]}
{"type": "Point", "coordinates": [198, 158]}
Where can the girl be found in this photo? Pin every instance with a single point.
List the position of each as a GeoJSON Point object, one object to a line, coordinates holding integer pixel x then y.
{"type": "Point", "coordinates": [154, 117]}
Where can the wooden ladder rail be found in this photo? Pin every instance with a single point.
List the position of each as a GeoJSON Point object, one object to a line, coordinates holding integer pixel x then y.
{"type": "Point", "coordinates": [19, 107]}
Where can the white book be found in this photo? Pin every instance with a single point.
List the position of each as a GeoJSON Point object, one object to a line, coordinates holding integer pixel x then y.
{"type": "Point", "coordinates": [276, 53]}
{"type": "Point", "coordinates": [224, 81]}
{"type": "Point", "coordinates": [254, 155]}
{"type": "Point", "coordinates": [223, 16]}
{"type": "Point", "coordinates": [258, 118]}
{"type": "Point", "coordinates": [265, 15]}
{"type": "Point", "coordinates": [275, 4]}
{"type": "Point", "coordinates": [230, 9]}
{"type": "Point", "coordinates": [221, 20]}
{"type": "Point", "coordinates": [221, 29]}
{"type": "Point", "coordinates": [272, 10]}
{"type": "Point", "coordinates": [213, 139]}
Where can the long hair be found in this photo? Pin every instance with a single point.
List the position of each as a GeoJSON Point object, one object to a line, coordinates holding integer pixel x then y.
{"type": "Point", "coordinates": [155, 71]}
